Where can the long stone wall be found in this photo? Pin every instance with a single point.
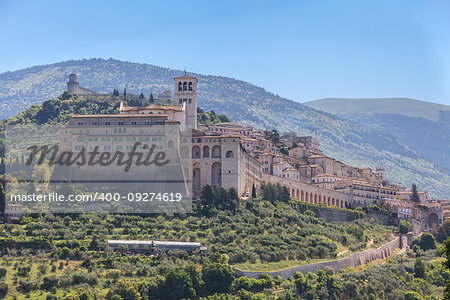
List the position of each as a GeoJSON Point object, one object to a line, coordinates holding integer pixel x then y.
{"type": "Point", "coordinates": [309, 193]}
{"type": "Point", "coordinates": [353, 260]}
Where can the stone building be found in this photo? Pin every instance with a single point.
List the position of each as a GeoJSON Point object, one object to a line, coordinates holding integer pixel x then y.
{"type": "Point", "coordinates": [217, 159]}
{"type": "Point", "coordinates": [74, 87]}
{"type": "Point", "coordinates": [222, 161]}
{"type": "Point", "coordinates": [165, 95]}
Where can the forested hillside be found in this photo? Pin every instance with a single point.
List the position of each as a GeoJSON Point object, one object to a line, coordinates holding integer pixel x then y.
{"type": "Point", "coordinates": [242, 102]}
{"type": "Point", "coordinates": [66, 257]}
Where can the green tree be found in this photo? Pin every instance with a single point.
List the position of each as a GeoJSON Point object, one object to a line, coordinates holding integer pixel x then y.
{"type": "Point", "coordinates": [404, 227]}
{"type": "Point", "coordinates": [151, 100]}
{"type": "Point", "coordinates": [223, 118]}
{"type": "Point", "coordinates": [65, 95]}
{"type": "Point", "coordinates": [427, 241]}
{"type": "Point", "coordinates": [414, 195]}
{"type": "Point", "coordinates": [2, 198]}
{"type": "Point", "coordinates": [3, 289]}
{"type": "Point", "coordinates": [443, 232]}
{"type": "Point", "coordinates": [124, 289]}
{"type": "Point", "coordinates": [300, 283]}
{"type": "Point", "coordinates": [253, 191]}
{"type": "Point", "coordinates": [49, 282]}
{"type": "Point", "coordinates": [115, 92]}
{"type": "Point", "coordinates": [419, 268]}
{"type": "Point", "coordinates": [411, 295]}
{"type": "Point", "coordinates": [446, 263]}
{"type": "Point", "coordinates": [178, 285]}
{"type": "Point", "coordinates": [207, 197]}
{"type": "Point", "coordinates": [285, 195]}
{"type": "Point", "coordinates": [217, 275]}
{"type": "Point", "coordinates": [141, 96]}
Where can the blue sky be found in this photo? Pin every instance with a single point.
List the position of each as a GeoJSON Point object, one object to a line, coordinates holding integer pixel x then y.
{"type": "Point", "coordinates": [301, 50]}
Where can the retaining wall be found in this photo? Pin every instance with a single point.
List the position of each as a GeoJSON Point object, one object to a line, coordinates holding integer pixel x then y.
{"type": "Point", "coordinates": [353, 260]}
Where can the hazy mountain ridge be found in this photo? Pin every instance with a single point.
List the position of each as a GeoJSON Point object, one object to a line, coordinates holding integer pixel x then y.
{"type": "Point", "coordinates": [397, 106]}
{"type": "Point", "coordinates": [422, 126]}
{"type": "Point", "coordinates": [243, 102]}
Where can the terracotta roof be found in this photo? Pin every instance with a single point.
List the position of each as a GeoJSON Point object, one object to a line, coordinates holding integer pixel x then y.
{"type": "Point", "coordinates": [313, 166]}
{"type": "Point", "coordinates": [185, 77]}
{"type": "Point", "coordinates": [156, 107]}
{"type": "Point", "coordinates": [218, 136]}
{"type": "Point", "coordinates": [118, 116]}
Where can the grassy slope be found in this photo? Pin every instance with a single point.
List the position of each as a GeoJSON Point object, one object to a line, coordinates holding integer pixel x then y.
{"type": "Point", "coordinates": [242, 102]}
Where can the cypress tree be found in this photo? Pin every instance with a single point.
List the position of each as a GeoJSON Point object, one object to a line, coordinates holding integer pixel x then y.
{"type": "Point", "coordinates": [253, 191]}
{"type": "Point", "coordinates": [152, 100]}
{"type": "Point", "coordinates": [2, 198]}
{"type": "Point", "coordinates": [415, 195]}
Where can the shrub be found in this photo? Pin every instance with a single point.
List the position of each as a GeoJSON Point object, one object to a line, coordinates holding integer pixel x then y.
{"type": "Point", "coordinates": [3, 289]}
{"type": "Point", "coordinates": [404, 227]}
{"type": "Point", "coordinates": [49, 282]}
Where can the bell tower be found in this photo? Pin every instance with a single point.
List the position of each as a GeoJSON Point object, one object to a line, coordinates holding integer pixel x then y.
{"type": "Point", "coordinates": [186, 93]}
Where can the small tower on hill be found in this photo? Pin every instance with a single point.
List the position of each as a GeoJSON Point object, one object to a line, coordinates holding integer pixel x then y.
{"type": "Point", "coordinates": [73, 85]}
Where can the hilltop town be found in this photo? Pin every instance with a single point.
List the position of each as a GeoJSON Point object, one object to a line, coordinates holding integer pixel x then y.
{"type": "Point", "coordinates": [268, 207]}
{"type": "Point", "coordinates": [234, 155]}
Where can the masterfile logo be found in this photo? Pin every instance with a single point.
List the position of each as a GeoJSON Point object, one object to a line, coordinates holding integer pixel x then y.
{"type": "Point", "coordinates": [75, 169]}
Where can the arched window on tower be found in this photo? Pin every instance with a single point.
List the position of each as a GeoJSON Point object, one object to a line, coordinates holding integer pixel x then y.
{"type": "Point", "coordinates": [180, 86]}
{"type": "Point", "coordinates": [206, 151]}
{"type": "Point", "coordinates": [185, 86]}
{"type": "Point", "coordinates": [229, 154]}
{"type": "Point", "coordinates": [190, 85]}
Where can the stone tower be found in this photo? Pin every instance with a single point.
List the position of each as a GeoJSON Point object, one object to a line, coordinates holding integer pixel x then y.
{"type": "Point", "coordinates": [73, 85]}
{"type": "Point", "coordinates": [186, 93]}
{"type": "Point", "coordinates": [380, 171]}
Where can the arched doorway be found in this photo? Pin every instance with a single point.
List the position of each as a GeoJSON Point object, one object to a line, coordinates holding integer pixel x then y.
{"type": "Point", "coordinates": [433, 219]}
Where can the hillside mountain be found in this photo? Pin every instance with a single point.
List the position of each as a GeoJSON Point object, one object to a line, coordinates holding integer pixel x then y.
{"type": "Point", "coordinates": [243, 102]}
{"type": "Point", "coordinates": [422, 126]}
{"type": "Point", "coordinates": [396, 106]}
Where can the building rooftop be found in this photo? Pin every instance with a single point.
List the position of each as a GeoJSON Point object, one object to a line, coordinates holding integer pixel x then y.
{"type": "Point", "coordinates": [316, 156]}
{"type": "Point", "coordinates": [152, 107]}
{"type": "Point", "coordinates": [185, 77]}
{"type": "Point", "coordinates": [136, 242]}
{"type": "Point", "coordinates": [119, 116]}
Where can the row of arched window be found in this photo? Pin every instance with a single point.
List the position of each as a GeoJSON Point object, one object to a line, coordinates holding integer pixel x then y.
{"type": "Point", "coordinates": [316, 198]}
{"type": "Point", "coordinates": [215, 153]}
{"type": "Point", "coordinates": [184, 86]}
